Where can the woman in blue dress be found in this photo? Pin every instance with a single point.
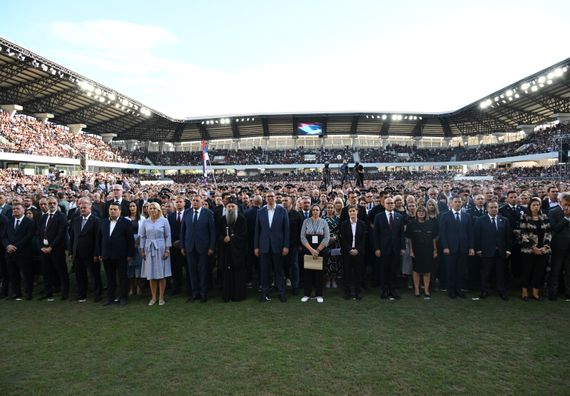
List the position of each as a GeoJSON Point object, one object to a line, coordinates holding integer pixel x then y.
{"type": "Point", "coordinates": [155, 245]}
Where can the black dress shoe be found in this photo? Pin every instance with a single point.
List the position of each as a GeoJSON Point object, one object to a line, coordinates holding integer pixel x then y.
{"type": "Point", "coordinates": [483, 295]}
{"type": "Point", "coordinates": [395, 294]}
{"type": "Point", "coordinates": [264, 299]}
{"type": "Point", "coordinates": [64, 297]}
{"type": "Point", "coordinates": [452, 295]}
{"type": "Point", "coordinates": [461, 295]}
{"type": "Point", "coordinates": [504, 296]}
{"type": "Point", "coordinates": [108, 302]}
{"type": "Point", "coordinates": [97, 299]}
{"type": "Point", "coordinates": [358, 296]}
{"type": "Point", "coordinates": [385, 294]}
{"type": "Point", "coordinates": [283, 298]}
{"type": "Point", "coordinates": [123, 301]}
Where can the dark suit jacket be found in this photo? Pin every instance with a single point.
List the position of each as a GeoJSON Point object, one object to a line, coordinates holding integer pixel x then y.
{"type": "Point", "coordinates": [545, 208]}
{"type": "Point", "coordinates": [201, 236]}
{"type": "Point", "coordinates": [513, 214]}
{"type": "Point", "coordinates": [119, 245]}
{"type": "Point", "coordinates": [174, 226]}
{"type": "Point", "coordinates": [560, 229]}
{"type": "Point", "coordinates": [6, 211]}
{"type": "Point", "coordinates": [83, 242]}
{"type": "Point", "coordinates": [458, 238]}
{"type": "Point", "coordinates": [21, 238]}
{"type": "Point", "coordinates": [489, 239]}
{"type": "Point", "coordinates": [250, 217]}
{"type": "Point", "coordinates": [295, 223]}
{"type": "Point", "coordinates": [55, 232]}
{"type": "Point", "coordinates": [390, 240]}
{"type": "Point", "coordinates": [271, 239]}
{"type": "Point", "coordinates": [345, 235]}
{"type": "Point", "coordinates": [124, 208]}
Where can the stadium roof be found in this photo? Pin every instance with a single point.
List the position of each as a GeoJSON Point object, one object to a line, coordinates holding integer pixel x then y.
{"type": "Point", "coordinates": [42, 86]}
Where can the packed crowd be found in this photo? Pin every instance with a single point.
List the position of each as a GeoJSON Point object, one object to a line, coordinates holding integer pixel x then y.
{"type": "Point", "coordinates": [431, 233]}
{"type": "Point", "coordinates": [26, 135]}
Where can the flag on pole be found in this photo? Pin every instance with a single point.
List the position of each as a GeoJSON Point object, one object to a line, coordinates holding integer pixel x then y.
{"type": "Point", "coordinates": [205, 157]}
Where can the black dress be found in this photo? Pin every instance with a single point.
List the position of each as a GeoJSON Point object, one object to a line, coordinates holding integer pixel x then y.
{"type": "Point", "coordinates": [422, 235]}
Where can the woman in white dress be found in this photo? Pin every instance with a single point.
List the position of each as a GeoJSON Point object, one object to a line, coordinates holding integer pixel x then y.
{"type": "Point", "coordinates": [155, 245]}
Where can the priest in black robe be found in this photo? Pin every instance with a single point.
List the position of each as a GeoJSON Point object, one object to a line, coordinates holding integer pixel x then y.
{"type": "Point", "coordinates": [232, 240]}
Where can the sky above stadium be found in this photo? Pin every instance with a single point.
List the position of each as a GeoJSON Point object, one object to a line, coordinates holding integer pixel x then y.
{"type": "Point", "coordinates": [200, 58]}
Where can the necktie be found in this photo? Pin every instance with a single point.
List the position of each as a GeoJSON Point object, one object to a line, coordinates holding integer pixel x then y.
{"type": "Point", "coordinates": [17, 224]}
{"type": "Point", "coordinates": [391, 219]}
{"type": "Point", "coordinates": [48, 220]}
{"type": "Point", "coordinates": [306, 215]}
{"type": "Point", "coordinates": [195, 219]}
{"type": "Point", "coordinates": [494, 222]}
{"type": "Point", "coordinates": [178, 218]}
{"type": "Point", "coordinates": [457, 217]}
{"type": "Point", "coordinates": [83, 221]}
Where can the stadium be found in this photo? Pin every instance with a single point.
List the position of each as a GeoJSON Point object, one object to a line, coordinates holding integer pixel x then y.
{"type": "Point", "coordinates": [233, 318]}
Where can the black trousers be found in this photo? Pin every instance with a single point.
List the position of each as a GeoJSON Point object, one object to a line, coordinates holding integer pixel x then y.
{"type": "Point", "coordinates": [54, 264]}
{"type": "Point", "coordinates": [116, 268]}
{"type": "Point", "coordinates": [267, 262]}
{"type": "Point", "coordinates": [560, 263]}
{"type": "Point", "coordinates": [532, 271]}
{"type": "Point", "coordinates": [313, 280]}
{"type": "Point", "coordinates": [5, 275]}
{"type": "Point", "coordinates": [390, 267]}
{"type": "Point", "coordinates": [456, 267]}
{"type": "Point", "coordinates": [82, 267]}
{"type": "Point", "coordinates": [179, 275]}
{"type": "Point", "coordinates": [17, 264]}
{"type": "Point", "coordinates": [353, 268]}
{"type": "Point", "coordinates": [496, 265]}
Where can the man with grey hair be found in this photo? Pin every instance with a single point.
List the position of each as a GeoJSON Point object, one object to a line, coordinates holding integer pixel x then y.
{"type": "Point", "coordinates": [559, 217]}
{"type": "Point", "coordinates": [117, 197]}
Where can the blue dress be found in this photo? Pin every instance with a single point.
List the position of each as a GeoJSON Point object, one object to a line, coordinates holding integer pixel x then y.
{"type": "Point", "coordinates": [155, 239]}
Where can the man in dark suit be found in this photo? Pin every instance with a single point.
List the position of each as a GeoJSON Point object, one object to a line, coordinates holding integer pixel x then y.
{"type": "Point", "coordinates": [353, 201]}
{"type": "Point", "coordinates": [253, 271]}
{"type": "Point", "coordinates": [198, 242]}
{"type": "Point", "coordinates": [116, 244]}
{"type": "Point", "coordinates": [177, 260]}
{"type": "Point", "coordinates": [389, 247]}
{"type": "Point", "coordinates": [4, 275]}
{"type": "Point", "coordinates": [492, 235]}
{"type": "Point", "coordinates": [292, 259]}
{"type": "Point", "coordinates": [551, 200]}
{"type": "Point", "coordinates": [456, 240]}
{"type": "Point", "coordinates": [51, 236]}
{"type": "Point", "coordinates": [84, 231]}
{"type": "Point", "coordinates": [513, 213]}
{"type": "Point", "coordinates": [476, 210]}
{"type": "Point", "coordinates": [5, 208]}
{"type": "Point", "coordinates": [17, 240]}
{"type": "Point", "coordinates": [117, 199]}
{"type": "Point", "coordinates": [271, 243]}
{"type": "Point", "coordinates": [352, 244]}
{"type": "Point", "coordinates": [560, 225]}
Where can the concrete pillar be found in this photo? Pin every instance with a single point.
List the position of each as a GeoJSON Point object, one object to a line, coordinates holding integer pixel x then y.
{"type": "Point", "coordinates": [44, 117]}
{"type": "Point", "coordinates": [178, 147]}
{"type": "Point", "coordinates": [235, 144]}
{"type": "Point", "coordinates": [384, 140]}
{"type": "Point", "coordinates": [446, 141]}
{"type": "Point", "coordinates": [527, 129]}
{"type": "Point", "coordinates": [416, 140]}
{"type": "Point", "coordinates": [11, 109]}
{"type": "Point", "coordinates": [161, 146]}
{"type": "Point", "coordinates": [108, 137]}
{"type": "Point", "coordinates": [465, 141]}
{"type": "Point", "coordinates": [131, 144]}
{"type": "Point", "coordinates": [563, 118]}
{"type": "Point", "coordinates": [76, 128]}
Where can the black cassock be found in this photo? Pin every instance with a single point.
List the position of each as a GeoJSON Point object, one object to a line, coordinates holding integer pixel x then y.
{"type": "Point", "coordinates": [232, 258]}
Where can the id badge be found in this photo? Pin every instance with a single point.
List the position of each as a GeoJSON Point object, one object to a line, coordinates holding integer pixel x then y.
{"type": "Point", "coordinates": [46, 243]}
{"type": "Point", "coordinates": [314, 239]}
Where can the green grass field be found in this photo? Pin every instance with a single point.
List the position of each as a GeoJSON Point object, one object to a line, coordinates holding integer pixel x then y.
{"type": "Point", "coordinates": [340, 347]}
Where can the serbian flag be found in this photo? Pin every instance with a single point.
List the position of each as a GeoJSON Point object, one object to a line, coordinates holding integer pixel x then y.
{"type": "Point", "coordinates": [205, 157]}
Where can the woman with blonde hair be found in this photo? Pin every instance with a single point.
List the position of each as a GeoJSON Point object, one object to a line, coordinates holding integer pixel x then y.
{"type": "Point", "coordinates": [155, 250]}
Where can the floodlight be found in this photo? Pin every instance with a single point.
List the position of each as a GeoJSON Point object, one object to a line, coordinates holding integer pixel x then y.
{"type": "Point", "coordinates": [534, 88]}
{"type": "Point", "coordinates": [111, 96]}
{"type": "Point", "coordinates": [525, 86]}
{"type": "Point", "coordinates": [384, 116]}
{"type": "Point", "coordinates": [558, 72]}
{"type": "Point", "coordinates": [541, 79]}
{"type": "Point", "coordinates": [509, 93]}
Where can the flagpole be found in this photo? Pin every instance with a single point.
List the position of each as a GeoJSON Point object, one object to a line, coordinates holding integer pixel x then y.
{"type": "Point", "coordinates": [213, 174]}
